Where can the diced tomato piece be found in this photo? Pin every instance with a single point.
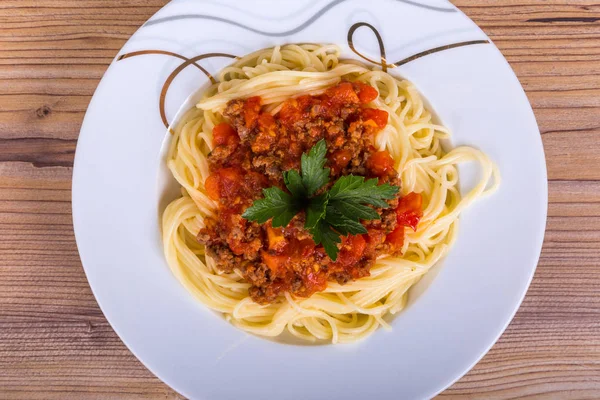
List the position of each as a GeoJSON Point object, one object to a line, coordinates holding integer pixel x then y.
{"type": "Point", "coordinates": [288, 111]}
{"type": "Point", "coordinates": [289, 253]}
{"type": "Point", "coordinates": [273, 260]}
{"type": "Point", "coordinates": [295, 110]}
{"type": "Point", "coordinates": [275, 237]}
{"type": "Point", "coordinates": [224, 183]}
{"type": "Point", "coordinates": [212, 187]}
{"type": "Point", "coordinates": [230, 182]}
{"type": "Point", "coordinates": [396, 238]}
{"type": "Point", "coordinates": [381, 164]}
{"type": "Point", "coordinates": [317, 280]}
{"type": "Point", "coordinates": [373, 238]}
{"type": "Point", "coordinates": [224, 134]}
{"type": "Point", "coordinates": [299, 249]}
{"type": "Point", "coordinates": [353, 247]}
{"type": "Point", "coordinates": [251, 111]}
{"type": "Point", "coordinates": [340, 159]}
{"type": "Point", "coordinates": [314, 281]}
{"type": "Point", "coordinates": [342, 94]}
{"type": "Point", "coordinates": [307, 248]}
{"type": "Point", "coordinates": [266, 122]}
{"type": "Point", "coordinates": [380, 117]}
{"type": "Point", "coordinates": [409, 211]}
{"type": "Point", "coordinates": [303, 102]}
{"type": "Point", "coordinates": [366, 93]}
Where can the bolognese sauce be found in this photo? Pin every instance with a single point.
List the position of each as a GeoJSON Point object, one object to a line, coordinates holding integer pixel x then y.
{"type": "Point", "coordinates": [252, 150]}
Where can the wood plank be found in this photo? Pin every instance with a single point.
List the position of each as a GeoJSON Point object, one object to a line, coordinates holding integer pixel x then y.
{"type": "Point", "coordinates": [55, 342]}
{"type": "Point", "coordinates": [551, 350]}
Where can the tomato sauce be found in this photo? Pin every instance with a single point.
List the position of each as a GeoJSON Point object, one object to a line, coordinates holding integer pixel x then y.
{"type": "Point", "coordinates": [251, 150]}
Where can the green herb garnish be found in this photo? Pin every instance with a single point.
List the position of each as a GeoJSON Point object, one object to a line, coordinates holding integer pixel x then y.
{"type": "Point", "coordinates": [330, 214]}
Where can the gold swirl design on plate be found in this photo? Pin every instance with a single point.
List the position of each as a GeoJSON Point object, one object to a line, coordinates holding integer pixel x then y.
{"type": "Point", "coordinates": [383, 63]}
{"type": "Point", "coordinates": [173, 75]}
{"type": "Point", "coordinates": [351, 43]}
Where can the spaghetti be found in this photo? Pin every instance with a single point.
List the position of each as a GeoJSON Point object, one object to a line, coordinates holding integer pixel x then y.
{"type": "Point", "coordinates": [341, 313]}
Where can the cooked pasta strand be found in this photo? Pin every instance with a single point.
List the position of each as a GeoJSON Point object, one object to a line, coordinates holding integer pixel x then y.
{"type": "Point", "coordinates": [341, 313]}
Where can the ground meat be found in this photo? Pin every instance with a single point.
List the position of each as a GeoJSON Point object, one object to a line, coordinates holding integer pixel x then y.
{"type": "Point", "coordinates": [235, 113]}
{"type": "Point", "coordinates": [268, 165]}
{"type": "Point", "coordinates": [257, 273]}
{"type": "Point", "coordinates": [252, 152]}
{"type": "Point", "coordinates": [221, 154]}
{"type": "Point", "coordinates": [223, 256]}
{"type": "Point", "coordinates": [387, 223]}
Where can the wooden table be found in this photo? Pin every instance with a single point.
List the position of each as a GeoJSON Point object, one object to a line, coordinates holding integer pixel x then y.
{"type": "Point", "coordinates": [56, 344]}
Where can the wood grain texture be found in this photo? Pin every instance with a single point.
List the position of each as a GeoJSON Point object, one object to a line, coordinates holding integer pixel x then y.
{"type": "Point", "coordinates": [56, 344]}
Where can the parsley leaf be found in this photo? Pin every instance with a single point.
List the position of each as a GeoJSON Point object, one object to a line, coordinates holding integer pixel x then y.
{"type": "Point", "coordinates": [353, 209]}
{"type": "Point", "coordinates": [329, 215]}
{"type": "Point", "coordinates": [277, 204]}
{"type": "Point", "coordinates": [314, 175]}
{"type": "Point", "coordinates": [293, 181]}
{"type": "Point", "coordinates": [323, 234]}
{"type": "Point", "coordinates": [315, 211]}
{"type": "Point", "coordinates": [355, 188]}
{"type": "Point", "coordinates": [344, 224]}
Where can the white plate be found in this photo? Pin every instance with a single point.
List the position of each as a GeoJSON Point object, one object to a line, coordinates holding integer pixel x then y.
{"type": "Point", "coordinates": [446, 329]}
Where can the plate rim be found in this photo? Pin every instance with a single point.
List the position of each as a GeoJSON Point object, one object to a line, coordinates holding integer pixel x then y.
{"type": "Point", "coordinates": [517, 305]}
